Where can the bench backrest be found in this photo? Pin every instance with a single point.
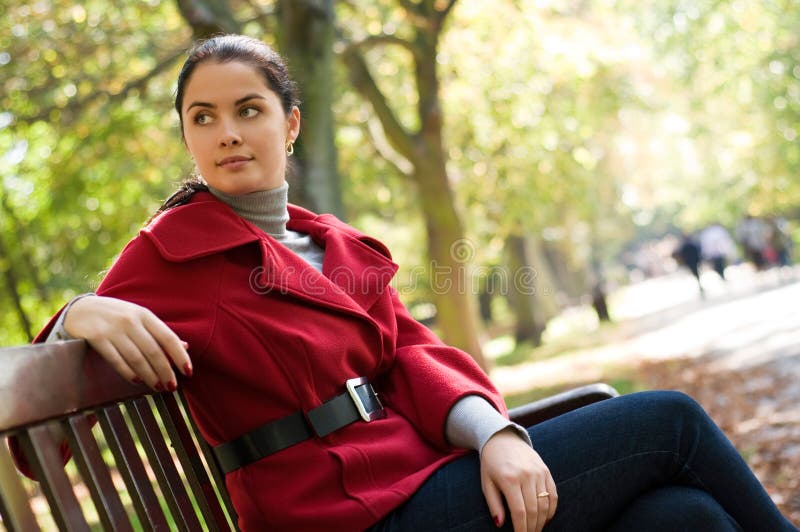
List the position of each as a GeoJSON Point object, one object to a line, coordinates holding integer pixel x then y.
{"type": "Point", "coordinates": [145, 445]}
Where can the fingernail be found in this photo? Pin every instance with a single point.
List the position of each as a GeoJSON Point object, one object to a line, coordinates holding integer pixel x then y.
{"type": "Point", "coordinates": [188, 370]}
{"type": "Point", "coordinates": [159, 387]}
{"type": "Point", "coordinates": [136, 380]}
{"type": "Point", "coordinates": [172, 386]}
{"type": "Point", "coordinates": [497, 522]}
{"type": "Point", "coordinates": [186, 345]}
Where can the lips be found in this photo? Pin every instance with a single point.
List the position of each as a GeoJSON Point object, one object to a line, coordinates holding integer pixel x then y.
{"type": "Point", "coordinates": [233, 162]}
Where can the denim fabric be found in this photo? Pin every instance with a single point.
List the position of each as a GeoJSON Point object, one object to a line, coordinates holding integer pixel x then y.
{"type": "Point", "coordinates": [644, 461]}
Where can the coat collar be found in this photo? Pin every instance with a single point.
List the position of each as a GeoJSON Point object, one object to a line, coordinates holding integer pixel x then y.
{"type": "Point", "coordinates": [355, 269]}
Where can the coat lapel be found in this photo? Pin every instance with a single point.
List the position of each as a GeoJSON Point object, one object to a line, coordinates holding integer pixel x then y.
{"type": "Point", "coordinates": [356, 269]}
{"type": "Point", "coordinates": [359, 266]}
{"type": "Point", "coordinates": [203, 227]}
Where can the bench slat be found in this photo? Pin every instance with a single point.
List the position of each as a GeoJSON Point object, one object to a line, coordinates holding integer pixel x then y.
{"type": "Point", "coordinates": [216, 473]}
{"type": "Point", "coordinates": [44, 457]}
{"type": "Point", "coordinates": [14, 506]}
{"type": "Point", "coordinates": [193, 467]}
{"type": "Point", "coordinates": [163, 465]}
{"type": "Point", "coordinates": [96, 475]}
{"type": "Point", "coordinates": [132, 468]}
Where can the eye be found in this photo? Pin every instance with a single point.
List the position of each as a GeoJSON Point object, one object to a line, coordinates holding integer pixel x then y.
{"type": "Point", "coordinates": [202, 118]}
{"type": "Point", "coordinates": [249, 111]}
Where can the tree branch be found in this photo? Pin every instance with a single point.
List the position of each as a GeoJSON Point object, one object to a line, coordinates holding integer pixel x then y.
{"type": "Point", "coordinates": [365, 84]}
{"type": "Point", "coordinates": [373, 41]}
{"type": "Point", "coordinates": [77, 104]}
{"type": "Point", "coordinates": [444, 12]}
{"type": "Point", "coordinates": [385, 149]}
{"type": "Point", "coordinates": [416, 13]}
{"type": "Point", "coordinates": [262, 14]}
{"type": "Point", "coordinates": [410, 6]}
{"type": "Point", "coordinates": [207, 18]}
{"type": "Point", "coordinates": [12, 286]}
{"type": "Point", "coordinates": [24, 249]}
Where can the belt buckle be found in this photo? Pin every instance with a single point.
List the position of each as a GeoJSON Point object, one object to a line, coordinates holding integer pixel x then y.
{"type": "Point", "coordinates": [366, 415]}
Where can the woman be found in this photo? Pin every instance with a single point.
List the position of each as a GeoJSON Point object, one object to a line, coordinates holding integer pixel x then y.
{"type": "Point", "coordinates": [292, 327]}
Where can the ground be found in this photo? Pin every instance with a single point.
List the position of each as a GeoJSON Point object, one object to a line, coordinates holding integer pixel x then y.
{"type": "Point", "coordinates": [736, 351]}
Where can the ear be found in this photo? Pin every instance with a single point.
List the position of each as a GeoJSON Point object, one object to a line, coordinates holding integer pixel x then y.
{"type": "Point", "coordinates": [293, 124]}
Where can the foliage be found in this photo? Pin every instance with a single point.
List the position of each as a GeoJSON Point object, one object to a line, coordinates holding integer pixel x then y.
{"type": "Point", "coordinates": [89, 143]}
{"type": "Point", "coordinates": [588, 125]}
{"type": "Point", "coordinates": [736, 65]}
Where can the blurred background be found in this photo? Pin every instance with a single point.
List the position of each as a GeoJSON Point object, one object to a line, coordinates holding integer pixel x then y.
{"type": "Point", "coordinates": [575, 190]}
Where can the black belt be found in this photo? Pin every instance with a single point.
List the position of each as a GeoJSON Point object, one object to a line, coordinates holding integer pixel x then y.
{"type": "Point", "coordinates": [359, 402]}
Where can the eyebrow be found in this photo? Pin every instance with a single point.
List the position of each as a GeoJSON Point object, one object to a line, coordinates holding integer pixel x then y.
{"type": "Point", "coordinates": [237, 102]}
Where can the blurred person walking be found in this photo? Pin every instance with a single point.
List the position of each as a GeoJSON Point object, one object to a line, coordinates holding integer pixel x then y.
{"type": "Point", "coordinates": [688, 254]}
{"type": "Point", "coordinates": [753, 234]}
{"type": "Point", "coordinates": [717, 247]}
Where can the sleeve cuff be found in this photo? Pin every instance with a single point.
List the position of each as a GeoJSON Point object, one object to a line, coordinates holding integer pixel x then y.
{"type": "Point", "coordinates": [473, 420]}
{"type": "Point", "coordinates": [58, 332]}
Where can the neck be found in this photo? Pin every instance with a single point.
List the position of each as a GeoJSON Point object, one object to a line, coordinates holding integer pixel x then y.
{"type": "Point", "coordinates": [265, 209]}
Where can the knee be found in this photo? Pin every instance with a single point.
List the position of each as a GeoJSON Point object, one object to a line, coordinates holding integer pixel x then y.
{"type": "Point", "coordinates": [700, 511]}
{"type": "Point", "coordinates": [675, 508]}
{"type": "Point", "coordinates": [677, 406]}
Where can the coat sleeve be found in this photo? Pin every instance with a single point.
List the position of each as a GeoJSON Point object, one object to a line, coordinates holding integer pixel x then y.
{"type": "Point", "coordinates": [13, 442]}
{"type": "Point", "coordinates": [175, 294]}
{"type": "Point", "coordinates": [429, 377]}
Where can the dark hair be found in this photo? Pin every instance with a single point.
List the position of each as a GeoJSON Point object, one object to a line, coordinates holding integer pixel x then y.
{"type": "Point", "coordinates": [224, 49]}
{"type": "Point", "coordinates": [182, 195]}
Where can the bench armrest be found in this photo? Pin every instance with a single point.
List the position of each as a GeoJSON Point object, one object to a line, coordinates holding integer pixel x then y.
{"type": "Point", "coordinates": [561, 403]}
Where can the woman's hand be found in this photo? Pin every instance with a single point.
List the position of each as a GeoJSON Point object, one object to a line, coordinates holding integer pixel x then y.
{"type": "Point", "coordinates": [131, 338]}
{"type": "Point", "coordinates": [510, 469]}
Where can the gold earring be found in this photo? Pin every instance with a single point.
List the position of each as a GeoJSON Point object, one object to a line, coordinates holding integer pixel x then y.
{"type": "Point", "coordinates": [289, 148]}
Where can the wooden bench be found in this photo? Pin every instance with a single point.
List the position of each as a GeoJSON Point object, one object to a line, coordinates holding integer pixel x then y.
{"type": "Point", "coordinates": [143, 465]}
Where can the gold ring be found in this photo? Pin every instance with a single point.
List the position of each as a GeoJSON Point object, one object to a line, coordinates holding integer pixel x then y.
{"type": "Point", "coordinates": [542, 494]}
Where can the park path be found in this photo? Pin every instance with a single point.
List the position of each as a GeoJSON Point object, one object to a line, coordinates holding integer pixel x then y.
{"type": "Point", "coordinates": [736, 351]}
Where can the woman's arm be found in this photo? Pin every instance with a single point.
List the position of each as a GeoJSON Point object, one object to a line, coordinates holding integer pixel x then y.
{"type": "Point", "coordinates": [508, 470]}
{"type": "Point", "coordinates": [137, 344]}
{"type": "Point", "coordinates": [512, 470]}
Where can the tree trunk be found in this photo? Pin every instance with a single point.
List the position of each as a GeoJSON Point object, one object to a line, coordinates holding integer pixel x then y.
{"type": "Point", "coordinates": [450, 256]}
{"type": "Point", "coordinates": [305, 34]}
{"type": "Point", "coordinates": [11, 281]}
{"type": "Point", "coordinates": [522, 292]}
{"type": "Point", "coordinates": [207, 17]}
{"type": "Point", "coordinates": [448, 251]}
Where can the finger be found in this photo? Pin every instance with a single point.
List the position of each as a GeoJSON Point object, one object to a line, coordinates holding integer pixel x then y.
{"type": "Point", "coordinates": [110, 354]}
{"type": "Point", "coordinates": [494, 500]}
{"type": "Point", "coordinates": [155, 356]}
{"type": "Point", "coordinates": [173, 346]}
{"type": "Point", "coordinates": [516, 507]}
{"type": "Point", "coordinates": [551, 488]}
{"type": "Point", "coordinates": [542, 510]}
{"type": "Point", "coordinates": [138, 362]}
{"type": "Point", "coordinates": [535, 506]}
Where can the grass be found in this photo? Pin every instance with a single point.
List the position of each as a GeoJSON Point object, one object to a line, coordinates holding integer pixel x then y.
{"type": "Point", "coordinates": [623, 380]}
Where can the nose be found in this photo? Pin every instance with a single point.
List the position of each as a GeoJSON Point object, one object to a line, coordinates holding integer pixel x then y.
{"type": "Point", "coordinates": [229, 136]}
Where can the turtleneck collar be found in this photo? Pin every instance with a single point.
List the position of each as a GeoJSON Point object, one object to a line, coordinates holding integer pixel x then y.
{"type": "Point", "coordinates": [266, 209]}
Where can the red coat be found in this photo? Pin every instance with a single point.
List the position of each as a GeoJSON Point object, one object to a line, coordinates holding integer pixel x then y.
{"type": "Point", "coordinates": [270, 335]}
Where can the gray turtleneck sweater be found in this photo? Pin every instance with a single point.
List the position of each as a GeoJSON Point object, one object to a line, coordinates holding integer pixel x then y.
{"type": "Point", "coordinates": [471, 421]}
{"type": "Point", "coordinates": [267, 210]}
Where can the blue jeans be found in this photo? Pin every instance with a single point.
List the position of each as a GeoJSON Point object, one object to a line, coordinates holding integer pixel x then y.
{"type": "Point", "coordinates": [646, 461]}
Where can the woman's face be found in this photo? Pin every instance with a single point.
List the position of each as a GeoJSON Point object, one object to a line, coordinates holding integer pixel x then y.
{"type": "Point", "coordinates": [235, 127]}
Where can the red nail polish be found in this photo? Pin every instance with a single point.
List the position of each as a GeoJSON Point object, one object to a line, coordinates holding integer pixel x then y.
{"type": "Point", "coordinates": [497, 521]}
{"type": "Point", "coordinates": [172, 386]}
{"type": "Point", "coordinates": [186, 345]}
{"type": "Point", "coordinates": [136, 380]}
{"type": "Point", "coordinates": [159, 387]}
{"type": "Point", "coordinates": [188, 370]}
